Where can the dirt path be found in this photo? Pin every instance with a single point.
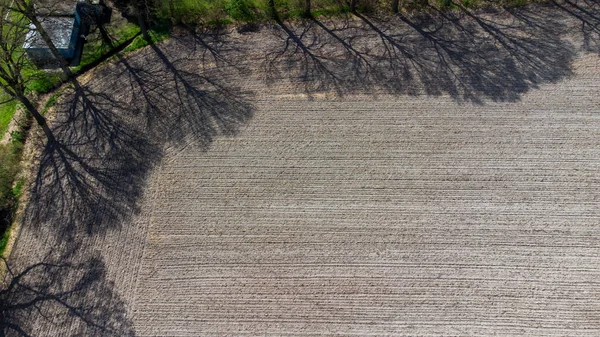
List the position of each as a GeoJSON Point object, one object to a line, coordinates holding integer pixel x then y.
{"type": "Point", "coordinates": [368, 177]}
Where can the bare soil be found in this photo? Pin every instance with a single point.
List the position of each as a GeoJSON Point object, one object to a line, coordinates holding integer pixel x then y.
{"type": "Point", "coordinates": [373, 176]}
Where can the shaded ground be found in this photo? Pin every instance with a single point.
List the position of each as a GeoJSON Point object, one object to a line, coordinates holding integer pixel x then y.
{"type": "Point", "coordinates": [430, 175]}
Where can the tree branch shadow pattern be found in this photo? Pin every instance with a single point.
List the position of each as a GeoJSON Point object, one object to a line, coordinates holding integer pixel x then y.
{"type": "Point", "coordinates": [587, 15]}
{"type": "Point", "coordinates": [496, 56]}
{"type": "Point", "coordinates": [92, 178]}
{"type": "Point", "coordinates": [59, 291]}
{"type": "Point", "coordinates": [107, 142]}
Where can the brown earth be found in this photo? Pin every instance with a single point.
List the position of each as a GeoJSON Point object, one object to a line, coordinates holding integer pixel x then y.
{"type": "Point", "coordinates": [399, 176]}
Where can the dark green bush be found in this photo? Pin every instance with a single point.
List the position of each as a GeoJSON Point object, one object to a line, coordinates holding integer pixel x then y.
{"type": "Point", "coordinates": [9, 167]}
{"type": "Point", "coordinates": [240, 11]}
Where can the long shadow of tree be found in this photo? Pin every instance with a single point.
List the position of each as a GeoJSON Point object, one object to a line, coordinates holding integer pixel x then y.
{"type": "Point", "coordinates": [587, 15]}
{"type": "Point", "coordinates": [109, 140]}
{"type": "Point", "coordinates": [302, 58]}
{"type": "Point", "coordinates": [110, 133]}
{"type": "Point", "coordinates": [475, 57]}
{"type": "Point", "coordinates": [110, 136]}
{"type": "Point", "coordinates": [65, 294]}
{"type": "Point", "coordinates": [184, 99]}
{"type": "Point", "coordinates": [92, 176]}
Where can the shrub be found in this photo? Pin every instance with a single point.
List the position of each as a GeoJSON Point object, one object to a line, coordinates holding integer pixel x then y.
{"type": "Point", "coordinates": [18, 138]}
{"type": "Point", "coordinates": [9, 167]}
{"type": "Point", "coordinates": [7, 111]}
{"type": "Point", "coordinates": [240, 11]}
{"type": "Point", "coordinates": [18, 188]}
{"type": "Point", "coordinates": [4, 240]}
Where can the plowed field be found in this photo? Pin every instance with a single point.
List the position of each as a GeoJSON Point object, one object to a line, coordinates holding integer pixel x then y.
{"type": "Point", "coordinates": [399, 176]}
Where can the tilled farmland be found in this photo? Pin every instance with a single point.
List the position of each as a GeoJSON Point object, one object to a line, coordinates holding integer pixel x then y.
{"type": "Point", "coordinates": [410, 176]}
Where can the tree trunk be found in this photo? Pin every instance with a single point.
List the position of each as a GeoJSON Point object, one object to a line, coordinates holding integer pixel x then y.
{"type": "Point", "coordinates": [307, 13]}
{"type": "Point", "coordinates": [38, 117]}
{"type": "Point", "coordinates": [142, 24]}
{"type": "Point", "coordinates": [273, 12]}
{"type": "Point", "coordinates": [105, 37]}
{"type": "Point", "coordinates": [353, 4]}
{"type": "Point", "coordinates": [395, 6]}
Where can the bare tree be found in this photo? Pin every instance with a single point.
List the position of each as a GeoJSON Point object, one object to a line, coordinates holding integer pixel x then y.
{"type": "Point", "coordinates": [13, 32]}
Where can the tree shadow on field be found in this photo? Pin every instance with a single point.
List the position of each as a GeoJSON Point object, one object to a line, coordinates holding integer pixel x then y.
{"type": "Point", "coordinates": [76, 296]}
{"type": "Point", "coordinates": [587, 15]}
{"type": "Point", "coordinates": [193, 105]}
{"type": "Point", "coordinates": [92, 176]}
{"type": "Point", "coordinates": [109, 139]}
{"type": "Point", "coordinates": [212, 48]}
{"type": "Point", "coordinates": [497, 55]}
{"type": "Point", "coordinates": [307, 60]}
{"type": "Point", "coordinates": [110, 133]}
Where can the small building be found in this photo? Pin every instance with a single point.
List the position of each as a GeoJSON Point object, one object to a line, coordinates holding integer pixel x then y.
{"type": "Point", "coordinates": [67, 31]}
{"type": "Point", "coordinates": [64, 33]}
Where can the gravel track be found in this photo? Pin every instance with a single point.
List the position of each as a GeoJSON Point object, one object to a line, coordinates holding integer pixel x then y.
{"type": "Point", "coordinates": [202, 188]}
